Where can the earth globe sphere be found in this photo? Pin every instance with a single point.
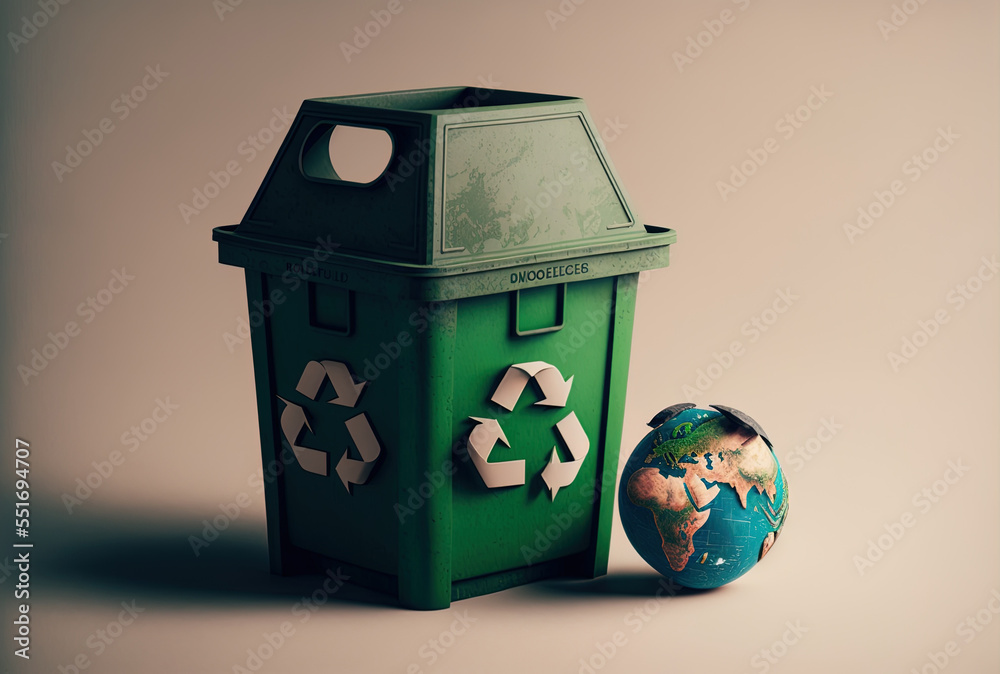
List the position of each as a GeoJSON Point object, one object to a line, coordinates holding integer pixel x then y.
{"type": "Point", "coordinates": [702, 498]}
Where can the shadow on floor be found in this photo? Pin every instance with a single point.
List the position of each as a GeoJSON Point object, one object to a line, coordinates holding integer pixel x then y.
{"type": "Point", "coordinates": [650, 585]}
{"type": "Point", "coordinates": [105, 554]}
{"type": "Point", "coordinates": [102, 553]}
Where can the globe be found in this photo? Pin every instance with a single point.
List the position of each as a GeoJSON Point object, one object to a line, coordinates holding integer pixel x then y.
{"type": "Point", "coordinates": [702, 498]}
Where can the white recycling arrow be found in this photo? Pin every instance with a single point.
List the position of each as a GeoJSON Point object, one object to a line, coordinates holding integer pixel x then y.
{"type": "Point", "coordinates": [558, 474]}
{"type": "Point", "coordinates": [549, 380]}
{"type": "Point", "coordinates": [480, 443]}
{"type": "Point", "coordinates": [294, 421]}
{"type": "Point", "coordinates": [555, 391]}
{"type": "Point", "coordinates": [353, 471]}
{"type": "Point", "coordinates": [343, 383]}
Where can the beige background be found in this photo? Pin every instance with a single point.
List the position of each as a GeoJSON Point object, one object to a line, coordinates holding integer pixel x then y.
{"type": "Point", "coordinates": [825, 358]}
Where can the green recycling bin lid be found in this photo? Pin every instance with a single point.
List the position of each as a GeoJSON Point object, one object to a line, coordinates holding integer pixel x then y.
{"type": "Point", "coordinates": [476, 181]}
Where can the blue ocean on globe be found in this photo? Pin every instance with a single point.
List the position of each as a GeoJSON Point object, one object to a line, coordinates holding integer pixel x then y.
{"type": "Point", "coordinates": [702, 498]}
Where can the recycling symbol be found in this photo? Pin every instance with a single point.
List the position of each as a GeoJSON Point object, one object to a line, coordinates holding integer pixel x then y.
{"type": "Point", "coordinates": [487, 432]}
{"type": "Point", "coordinates": [295, 421]}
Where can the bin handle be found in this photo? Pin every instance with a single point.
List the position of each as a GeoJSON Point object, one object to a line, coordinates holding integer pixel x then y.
{"type": "Point", "coordinates": [314, 319]}
{"type": "Point", "coordinates": [315, 162]}
{"type": "Point", "coordinates": [560, 309]}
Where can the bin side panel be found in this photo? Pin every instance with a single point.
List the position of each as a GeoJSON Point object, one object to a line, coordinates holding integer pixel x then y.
{"type": "Point", "coordinates": [498, 529]}
{"type": "Point", "coordinates": [282, 556]}
{"type": "Point", "coordinates": [359, 526]}
{"type": "Point", "coordinates": [427, 464]}
{"type": "Point", "coordinates": [619, 353]}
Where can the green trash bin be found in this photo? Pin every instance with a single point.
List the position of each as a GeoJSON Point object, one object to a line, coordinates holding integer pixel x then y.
{"type": "Point", "coordinates": [441, 353]}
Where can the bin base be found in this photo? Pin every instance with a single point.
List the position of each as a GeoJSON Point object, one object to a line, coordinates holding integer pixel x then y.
{"type": "Point", "coordinates": [574, 567]}
{"type": "Point", "coordinates": [578, 567]}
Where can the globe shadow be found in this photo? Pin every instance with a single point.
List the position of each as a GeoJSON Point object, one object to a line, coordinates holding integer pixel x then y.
{"type": "Point", "coordinates": [650, 585]}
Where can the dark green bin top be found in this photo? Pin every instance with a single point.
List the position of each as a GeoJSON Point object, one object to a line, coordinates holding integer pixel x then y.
{"type": "Point", "coordinates": [478, 181]}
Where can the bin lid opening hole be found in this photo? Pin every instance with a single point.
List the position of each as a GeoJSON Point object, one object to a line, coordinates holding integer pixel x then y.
{"type": "Point", "coordinates": [348, 153]}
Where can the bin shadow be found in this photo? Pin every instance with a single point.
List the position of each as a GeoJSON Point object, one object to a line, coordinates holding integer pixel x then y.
{"type": "Point", "coordinates": [106, 554]}
{"type": "Point", "coordinates": [617, 585]}
{"type": "Point", "coordinates": [155, 559]}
